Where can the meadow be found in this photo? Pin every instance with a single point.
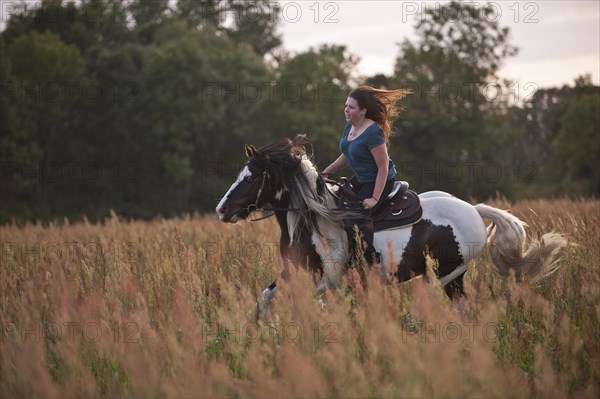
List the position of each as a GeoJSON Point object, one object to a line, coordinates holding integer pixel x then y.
{"type": "Point", "coordinates": [167, 308]}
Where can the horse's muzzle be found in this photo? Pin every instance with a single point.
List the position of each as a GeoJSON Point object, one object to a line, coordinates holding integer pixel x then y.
{"type": "Point", "coordinates": [228, 216]}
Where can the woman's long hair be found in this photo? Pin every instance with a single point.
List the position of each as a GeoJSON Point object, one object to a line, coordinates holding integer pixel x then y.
{"type": "Point", "coordinates": [381, 106]}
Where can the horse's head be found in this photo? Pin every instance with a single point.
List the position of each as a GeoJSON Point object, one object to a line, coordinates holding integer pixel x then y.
{"type": "Point", "coordinates": [250, 191]}
{"type": "Point", "coordinates": [259, 183]}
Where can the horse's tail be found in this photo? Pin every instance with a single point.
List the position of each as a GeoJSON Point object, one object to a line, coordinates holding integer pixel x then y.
{"type": "Point", "coordinates": [507, 239]}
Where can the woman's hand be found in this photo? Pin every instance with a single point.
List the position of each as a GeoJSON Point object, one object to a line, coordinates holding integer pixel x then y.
{"type": "Point", "coordinates": [369, 203]}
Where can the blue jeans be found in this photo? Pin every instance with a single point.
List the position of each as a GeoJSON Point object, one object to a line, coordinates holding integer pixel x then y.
{"type": "Point", "coordinates": [365, 190]}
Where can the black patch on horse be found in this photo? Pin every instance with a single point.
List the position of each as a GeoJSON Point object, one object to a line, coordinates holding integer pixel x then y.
{"type": "Point", "coordinates": [302, 252]}
{"type": "Point", "coordinates": [441, 244]}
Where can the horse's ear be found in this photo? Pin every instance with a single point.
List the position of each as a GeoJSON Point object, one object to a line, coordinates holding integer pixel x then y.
{"type": "Point", "coordinates": [250, 150]}
{"type": "Point", "coordinates": [301, 139]}
{"type": "Point", "coordinates": [298, 144]}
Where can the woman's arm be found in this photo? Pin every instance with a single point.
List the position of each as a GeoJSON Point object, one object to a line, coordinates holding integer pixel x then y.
{"type": "Point", "coordinates": [382, 160]}
{"type": "Point", "coordinates": [338, 164]}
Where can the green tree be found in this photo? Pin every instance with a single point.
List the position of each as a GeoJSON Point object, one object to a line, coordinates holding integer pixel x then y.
{"type": "Point", "coordinates": [449, 120]}
{"type": "Point", "coordinates": [540, 121]}
{"type": "Point", "coordinates": [114, 126]}
{"type": "Point", "coordinates": [253, 23]}
{"type": "Point", "coordinates": [18, 148]}
{"type": "Point", "coordinates": [313, 86]}
{"type": "Point", "coordinates": [577, 143]}
{"type": "Point", "coordinates": [41, 78]}
{"type": "Point", "coordinates": [163, 117]}
{"type": "Point", "coordinates": [93, 23]}
{"type": "Point", "coordinates": [201, 115]}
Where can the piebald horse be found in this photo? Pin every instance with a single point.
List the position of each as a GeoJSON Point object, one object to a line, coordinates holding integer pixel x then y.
{"type": "Point", "coordinates": [281, 178]}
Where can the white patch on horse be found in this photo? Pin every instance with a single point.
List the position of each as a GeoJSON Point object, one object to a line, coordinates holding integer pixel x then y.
{"type": "Point", "coordinates": [308, 166]}
{"type": "Point", "coordinates": [441, 210]}
{"type": "Point", "coordinates": [243, 174]}
{"type": "Point", "coordinates": [469, 230]}
{"type": "Point", "coordinates": [279, 193]}
{"type": "Point", "coordinates": [333, 250]}
{"type": "Point", "coordinates": [332, 242]}
{"type": "Point", "coordinates": [454, 274]}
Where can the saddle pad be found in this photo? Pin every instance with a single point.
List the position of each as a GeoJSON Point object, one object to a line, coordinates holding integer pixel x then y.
{"type": "Point", "coordinates": [402, 206]}
{"type": "Point", "coordinates": [398, 223]}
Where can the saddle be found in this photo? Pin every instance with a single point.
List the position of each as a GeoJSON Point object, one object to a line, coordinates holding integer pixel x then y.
{"type": "Point", "coordinates": [401, 208]}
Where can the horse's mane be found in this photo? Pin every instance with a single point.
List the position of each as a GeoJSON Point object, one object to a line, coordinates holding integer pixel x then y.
{"type": "Point", "coordinates": [290, 167]}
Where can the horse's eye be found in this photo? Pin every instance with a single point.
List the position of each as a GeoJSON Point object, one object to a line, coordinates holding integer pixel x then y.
{"type": "Point", "coordinates": [249, 179]}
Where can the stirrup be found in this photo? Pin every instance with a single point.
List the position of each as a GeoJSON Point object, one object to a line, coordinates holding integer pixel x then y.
{"type": "Point", "coordinates": [376, 258]}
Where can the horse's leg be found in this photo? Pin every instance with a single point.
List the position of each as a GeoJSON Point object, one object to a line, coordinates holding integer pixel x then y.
{"type": "Point", "coordinates": [455, 289]}
{"type": "Point", "coordinates": [264, 302]}
{"type": "Point", "coordinates": [408, 270]}
{"type": "Point", "coordinates": [333, 252]}
{"type": "Point", "coordinates": [332, 273]}
{"type": "Point", "coordinates": [385, 276]}
{"type": "Point", "coordinates": [301, 253]}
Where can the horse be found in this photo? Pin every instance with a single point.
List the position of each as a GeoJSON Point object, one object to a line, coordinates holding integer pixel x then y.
{"type": "Point", "coordinates": [281, 178]}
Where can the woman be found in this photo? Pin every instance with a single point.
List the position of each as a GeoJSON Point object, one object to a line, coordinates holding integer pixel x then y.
{"type": "Point", "coordinates": [369, 115]}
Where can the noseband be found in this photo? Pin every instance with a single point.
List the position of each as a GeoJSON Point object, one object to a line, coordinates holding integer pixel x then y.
{"type": "Point", "coordinates": [254, 206]}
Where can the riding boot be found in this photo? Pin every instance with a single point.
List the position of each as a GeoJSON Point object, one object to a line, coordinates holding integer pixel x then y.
{"type": "Point", "coordinates": [365, 248]}
{"type": "Point", "coordinates": [371, 254]}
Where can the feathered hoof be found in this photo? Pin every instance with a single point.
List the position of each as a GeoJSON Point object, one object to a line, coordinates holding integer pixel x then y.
{"type": "Point", "coordinates": [262, 310]}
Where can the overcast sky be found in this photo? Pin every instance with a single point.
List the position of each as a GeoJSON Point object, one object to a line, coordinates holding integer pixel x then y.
{"type": "Point", "coordinates": [557, 40]}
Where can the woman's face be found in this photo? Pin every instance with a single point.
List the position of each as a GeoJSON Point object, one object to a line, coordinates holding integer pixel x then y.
{"type": "Point", "coordinates": [353, 112]}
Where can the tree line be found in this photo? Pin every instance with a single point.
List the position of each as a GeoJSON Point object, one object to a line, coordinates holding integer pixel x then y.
{"type": "Point", "coordinates": [143, 107]}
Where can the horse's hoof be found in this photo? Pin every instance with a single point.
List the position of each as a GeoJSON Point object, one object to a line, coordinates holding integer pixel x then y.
{"type": "Point", "coordinates": [262, 311]}
{"type": "Point", "coordinates": [321, 302]}
{"type": "Point", "coordinates": [257, 311]}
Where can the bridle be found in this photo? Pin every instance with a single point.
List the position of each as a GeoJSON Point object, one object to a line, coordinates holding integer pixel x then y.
{"type": "Point", "coordinates": [254, 206]}
{"type": "Point", "coordinates": [267, 176]}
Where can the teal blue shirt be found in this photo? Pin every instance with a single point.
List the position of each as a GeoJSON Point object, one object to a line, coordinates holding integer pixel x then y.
{"type": "Point", "coordinates": [358, 153]}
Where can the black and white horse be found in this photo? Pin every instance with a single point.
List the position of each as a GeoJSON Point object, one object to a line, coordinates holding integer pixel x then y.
{"type": "Point", "coordinates": [280, 177]}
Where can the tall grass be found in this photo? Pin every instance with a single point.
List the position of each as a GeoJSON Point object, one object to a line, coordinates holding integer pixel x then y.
{"type": "Point", "coordinates": [166, 308]}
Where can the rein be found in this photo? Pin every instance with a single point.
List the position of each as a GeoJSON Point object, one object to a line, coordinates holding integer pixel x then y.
{"type": "Point", "coordinates": [341, 182]}
{"type": "Point", "coordinates": [254, 207]}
